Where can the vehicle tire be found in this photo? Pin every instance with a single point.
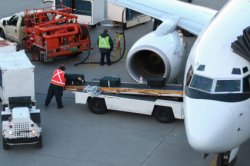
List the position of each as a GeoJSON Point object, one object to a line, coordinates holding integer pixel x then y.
{"type": "Point", "coordinates": [20, 46]}
{"type": "Point", "coordinates": [5, 145]}
{"type": "Point", "coordinates": [40, 142]}
{"type": "Point", "coordinates": [97, 105]}
{"type": "Point", "coordinates": [35, 52]}
{"type": "Point", "coordinates": [164, 114]}
{"type": "Point", "coordinates": [2, 34]}
{"type": "Point", "coordinates": [93, 26]}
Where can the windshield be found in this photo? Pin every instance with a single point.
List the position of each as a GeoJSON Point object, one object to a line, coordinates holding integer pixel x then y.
{"type": "Point", "coordinates": [227, 86]}
{"type": "Point", "coordinates": [201, 83]}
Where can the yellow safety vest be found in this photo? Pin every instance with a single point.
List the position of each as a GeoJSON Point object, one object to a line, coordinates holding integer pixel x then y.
{"type": "Point", "coordinates": [104, 42]}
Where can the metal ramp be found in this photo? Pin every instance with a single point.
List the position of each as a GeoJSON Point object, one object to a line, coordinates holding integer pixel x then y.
{"type": "Point", "coordinates": [170, 90]}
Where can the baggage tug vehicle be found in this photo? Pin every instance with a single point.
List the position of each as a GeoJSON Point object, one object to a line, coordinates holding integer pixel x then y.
{"type": "Point", "coordinates": [21, 123]}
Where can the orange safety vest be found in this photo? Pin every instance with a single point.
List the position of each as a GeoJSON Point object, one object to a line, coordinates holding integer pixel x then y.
{"type": "Point", "coordinates": [58, 78]}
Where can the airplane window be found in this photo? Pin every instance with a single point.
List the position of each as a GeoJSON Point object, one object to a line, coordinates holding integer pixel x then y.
{"type": "Point", "coordinates": [201, 68]}
{"type": "Point", "coordinates": [227, 86]}
{"type": "Point", "coordinates": [245, 69]}
{"type": "Point", "coordinates": [246, 84]}
{"type": "Point", "coordinates": [201, 83]}
{"type": "Point", "coordinates": [236, 71]}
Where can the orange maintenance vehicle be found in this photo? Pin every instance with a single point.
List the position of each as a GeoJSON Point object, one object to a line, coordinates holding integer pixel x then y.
{"type": "Point", "coordinates": [54, 33]}
{"type": "Point", "coordinates": [47, 33]}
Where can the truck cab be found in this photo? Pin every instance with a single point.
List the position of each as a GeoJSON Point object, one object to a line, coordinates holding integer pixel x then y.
{"type": "Point", "coordinates": [12, 28]}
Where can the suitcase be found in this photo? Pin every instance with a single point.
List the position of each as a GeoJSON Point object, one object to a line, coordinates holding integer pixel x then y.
{"type": "Point", "coordinates": [156, 82]}
{"type": "Point", "coordinates": [75, 79]}
{"type": "Point", "coordinates": [110, 81]}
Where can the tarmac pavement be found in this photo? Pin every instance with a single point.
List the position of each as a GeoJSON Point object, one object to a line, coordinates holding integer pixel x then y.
{"type": "Point", "coordinates": [73, 136]}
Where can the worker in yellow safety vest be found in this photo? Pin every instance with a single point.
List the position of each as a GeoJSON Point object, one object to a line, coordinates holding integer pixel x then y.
{"type": "Point", "coordinates": [105, 45]}
{"type": "Point", "coordinates": [56, 87]}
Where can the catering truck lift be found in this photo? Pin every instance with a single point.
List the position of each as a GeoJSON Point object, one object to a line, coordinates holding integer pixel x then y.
{"type": "Point", "coordinates": [20, 118]}
{"type": "Point", "coordinates": [127, 17]}
{"type": "Point", "coordinates": [92, 12]}
{"type": "Point", "coordinates": [165, 103]}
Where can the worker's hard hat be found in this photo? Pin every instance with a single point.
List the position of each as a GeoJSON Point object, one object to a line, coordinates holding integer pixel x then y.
{"type": "Point", "coordinates": [62, 67]}
{"type": "Point", "coordinates": [105, 31]}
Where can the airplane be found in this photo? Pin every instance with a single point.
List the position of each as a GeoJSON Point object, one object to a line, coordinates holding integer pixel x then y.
{"type": "Point", "coordinates": [150, 57]}
{"type": "Point", "coordinates": [217, 76]}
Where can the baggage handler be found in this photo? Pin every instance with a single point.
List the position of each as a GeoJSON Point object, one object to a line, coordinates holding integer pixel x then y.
{"type": "Point", "coordinates": [56, 87]}
{"type": "Point", "coordinates": [105, 45]}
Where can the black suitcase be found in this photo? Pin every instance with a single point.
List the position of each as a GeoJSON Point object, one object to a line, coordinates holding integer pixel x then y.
{"type": "Point", "coordinates": [156, 82]}
{"type": "Point", "coordinates": [110, 81]}
{"type": "Point", "coordinates": [74, 79]}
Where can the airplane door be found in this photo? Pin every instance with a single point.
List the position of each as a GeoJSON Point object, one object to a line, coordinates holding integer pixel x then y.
{"type": "Point", "coordinates": [243, 110]}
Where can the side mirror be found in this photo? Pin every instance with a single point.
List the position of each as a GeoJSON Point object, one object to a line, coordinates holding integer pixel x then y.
{"type": "Point", "coordinates": [4, 23]}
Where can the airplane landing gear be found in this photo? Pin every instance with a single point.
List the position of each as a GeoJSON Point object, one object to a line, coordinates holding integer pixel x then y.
{"type": "Point", "coordinates": [223, 159]}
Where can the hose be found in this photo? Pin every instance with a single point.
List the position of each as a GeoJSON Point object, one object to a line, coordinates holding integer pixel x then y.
{"type": "Point", "coordinates": [88, 36]}
{"type": "Point", "coordinates": [124, 46]}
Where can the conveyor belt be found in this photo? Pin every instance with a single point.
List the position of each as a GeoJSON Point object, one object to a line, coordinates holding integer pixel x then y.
{"type": "Point", "coordinates": [134, 88]}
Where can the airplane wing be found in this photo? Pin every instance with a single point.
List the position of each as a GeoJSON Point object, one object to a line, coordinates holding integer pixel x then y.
{"type": "Point", "coordinates": [192, 18]}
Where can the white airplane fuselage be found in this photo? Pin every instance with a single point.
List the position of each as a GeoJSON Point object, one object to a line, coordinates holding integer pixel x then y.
{"type": "Point", "coordinates": [216, 85]}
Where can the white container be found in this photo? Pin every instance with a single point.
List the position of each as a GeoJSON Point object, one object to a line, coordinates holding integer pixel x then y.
{"type": "Point", "coordinates": [16, 76]}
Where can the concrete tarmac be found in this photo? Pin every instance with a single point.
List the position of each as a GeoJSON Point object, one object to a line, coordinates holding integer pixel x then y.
{"type": "Point", "coordinates": [74, 136]}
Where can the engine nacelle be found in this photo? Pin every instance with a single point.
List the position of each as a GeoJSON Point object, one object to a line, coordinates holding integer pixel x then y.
{"type": "Point", "coordinates": [156, 56]}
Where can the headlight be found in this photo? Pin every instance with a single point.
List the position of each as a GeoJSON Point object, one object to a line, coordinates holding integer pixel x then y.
{"type": "Point", "coordinates": [33, 132]}
{"type": "Point", "coordinates": [10, 132]}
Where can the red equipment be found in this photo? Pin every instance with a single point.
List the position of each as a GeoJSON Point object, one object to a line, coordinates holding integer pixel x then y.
{"type": "Point", "coordinates": [54, 33]}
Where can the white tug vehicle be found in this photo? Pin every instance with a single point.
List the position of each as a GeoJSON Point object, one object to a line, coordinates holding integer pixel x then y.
{"type": "Point", "coordinates": [20, 117]}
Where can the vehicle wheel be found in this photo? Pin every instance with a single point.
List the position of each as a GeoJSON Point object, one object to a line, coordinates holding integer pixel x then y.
{"type": "Point", "coordinates": [97, 105]}
{"type": "Point", "coordinates": [2, 34]}
{"type": "Point", "coordinates": [40, 142]}
{"type": "Point", "coordinates": [5, 145]}
{"type": "Point", "coordinates": [164, 114]}
{"type": "Point", "coordinates": [93, 26]}
{"type": "Point", "coordinates": [35, 52]}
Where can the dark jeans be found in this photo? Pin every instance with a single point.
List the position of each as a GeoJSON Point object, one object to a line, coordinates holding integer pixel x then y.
{"type": "Point", "coordinates": [56, 91]}
{"type": "Point", "coordinates": [107, 54]}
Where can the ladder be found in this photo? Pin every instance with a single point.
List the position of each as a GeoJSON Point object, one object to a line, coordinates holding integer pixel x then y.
{"type": "Point", "coordinates": [118, 40]}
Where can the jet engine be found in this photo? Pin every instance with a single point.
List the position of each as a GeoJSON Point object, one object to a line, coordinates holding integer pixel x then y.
{"type": "Point", "coordinates": [156, 55]}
